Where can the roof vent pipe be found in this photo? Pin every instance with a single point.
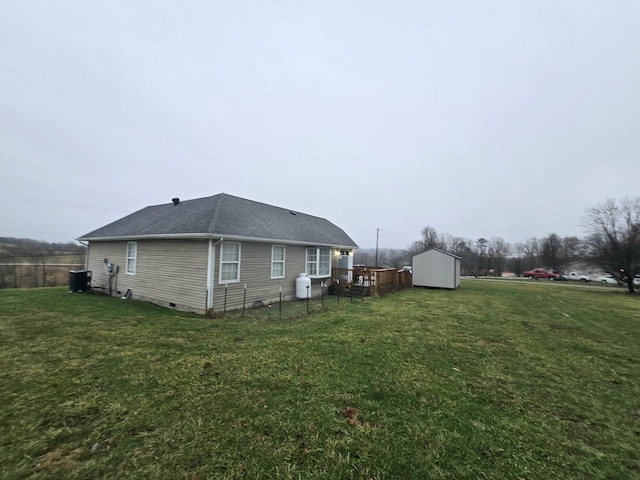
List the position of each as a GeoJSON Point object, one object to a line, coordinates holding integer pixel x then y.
{"type": "Point", "coordinates": [175, 201]}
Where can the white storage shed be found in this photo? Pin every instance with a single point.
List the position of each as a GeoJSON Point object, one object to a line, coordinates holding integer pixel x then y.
{"type": "Point", "coordinates": [436, 268]}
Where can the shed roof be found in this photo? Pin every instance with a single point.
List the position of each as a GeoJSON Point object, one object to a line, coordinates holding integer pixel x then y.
{"type": "Point", "coordinates": [439, 251]}
{"type": "Point", "coordinates": [224, 216]}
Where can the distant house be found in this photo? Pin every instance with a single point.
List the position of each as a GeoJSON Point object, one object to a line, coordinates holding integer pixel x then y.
{"type": "Point", "coordinates": [436, 268]}
{"type": "Point", "coordinates": [203, 254]}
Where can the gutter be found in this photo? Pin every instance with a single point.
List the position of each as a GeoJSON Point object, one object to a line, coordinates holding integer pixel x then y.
{"type": "Point", "coordinates": [86, 255]}
{"type": "Point", "coordinates": [211, 272]}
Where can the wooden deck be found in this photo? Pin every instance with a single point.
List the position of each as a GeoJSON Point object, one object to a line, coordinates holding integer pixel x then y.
{"type": "Point", "coordinates": [379, 280]}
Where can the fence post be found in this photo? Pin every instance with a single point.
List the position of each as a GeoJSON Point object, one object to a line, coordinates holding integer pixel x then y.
{"type": "Point", "coordinates": [280, 303]}
{"type": "Point", "coordinates": [244, 299]}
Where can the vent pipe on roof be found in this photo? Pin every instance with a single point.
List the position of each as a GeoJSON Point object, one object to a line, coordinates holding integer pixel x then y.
{"type": "Point", "coordinates": [175, 201]}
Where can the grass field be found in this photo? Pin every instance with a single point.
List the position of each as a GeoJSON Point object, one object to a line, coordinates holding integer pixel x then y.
{"type": "Point", "coordinates": [66, 259]}
{"type": "Point", "coordinates": [494, 380]}
{"type": "Point", "coordinates": [51, 271]}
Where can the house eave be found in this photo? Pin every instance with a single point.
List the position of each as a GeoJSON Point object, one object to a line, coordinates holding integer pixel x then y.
{"type": "Point", "coordinates": [155, 236]}
{"type": "Point", "coordinates": [206, 236]}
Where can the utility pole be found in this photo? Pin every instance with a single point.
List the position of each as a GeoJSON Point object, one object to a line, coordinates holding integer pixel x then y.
{"type": "Point", "coordinates": [377, 237]}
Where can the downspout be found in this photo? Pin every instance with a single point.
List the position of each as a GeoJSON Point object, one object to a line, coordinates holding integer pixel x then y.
{"type": "Point", "coordinates": [211, 272]}
{"type": "Point", "coordinates": [86, 255]}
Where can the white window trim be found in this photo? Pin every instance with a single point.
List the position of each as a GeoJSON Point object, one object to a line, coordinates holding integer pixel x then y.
{"type": "Point", "coordinates": [317, 262]}
{"type": "Point", "coordinates": [132, 259]}
{"type": "Point", "coordinates": [283, 261]}
{"type": "Point", "coordinates": [237, 279]}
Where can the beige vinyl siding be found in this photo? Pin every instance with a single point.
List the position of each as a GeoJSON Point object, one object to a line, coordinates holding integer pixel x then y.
{"type": "Point", "coordinates": [255, 273]}
{"type": "Point", "coordinates": [167, 271]}
{"type": "Point", "coordinates": [175, 271]}
{"type": "Point", "coordinates": [114, 252]}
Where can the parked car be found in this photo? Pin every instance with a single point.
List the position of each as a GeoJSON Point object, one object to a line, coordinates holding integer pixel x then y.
{"type": "Point", "coordinates": [576, 276]}
{"type": "Point", "coordinates": [636, 281]}
{"type": "Point", "coordinates": [611, 280]}
{"type": "Point", "coordinates": [539, 273]}
{"type": "Point", "coordinates": [608, 279]}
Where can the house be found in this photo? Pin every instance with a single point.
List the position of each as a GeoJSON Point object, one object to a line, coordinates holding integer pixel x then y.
{"type": "Point", "coordinates": [436, 268]}
{"type": "Point", "coordinates": [219, 252]}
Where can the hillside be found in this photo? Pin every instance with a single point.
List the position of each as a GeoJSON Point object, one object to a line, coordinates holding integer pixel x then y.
{"type": "Point", "coordinates": [21, 247]}
{"type": "Point", "coordinates": [33, 263]}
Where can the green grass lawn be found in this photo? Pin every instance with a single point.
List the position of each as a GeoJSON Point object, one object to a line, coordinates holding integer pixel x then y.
{"type": "Point", "coordinates": [494, 380]}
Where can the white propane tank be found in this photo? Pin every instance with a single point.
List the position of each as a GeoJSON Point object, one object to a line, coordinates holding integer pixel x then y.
{"type": "Point", "coordinates": [302, 282]}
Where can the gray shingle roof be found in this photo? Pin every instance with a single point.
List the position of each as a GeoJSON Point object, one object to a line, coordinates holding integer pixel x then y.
{"type": "Point", "coordinates": [224, 215]}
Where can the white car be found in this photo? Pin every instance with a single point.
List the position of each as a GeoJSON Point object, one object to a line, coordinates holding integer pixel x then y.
{"type": "Point", "coordinates": [576, 276]}
{"type": "Point", "coordinates": [608, 279]}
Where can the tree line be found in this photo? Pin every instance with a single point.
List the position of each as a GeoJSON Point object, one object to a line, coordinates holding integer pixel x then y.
{"type": "Point", "coordinates": [611, 243]}
{"type": "Point", "coordinates": [18, 247]}
{"type": "Point", "coordinates": [495, 256]}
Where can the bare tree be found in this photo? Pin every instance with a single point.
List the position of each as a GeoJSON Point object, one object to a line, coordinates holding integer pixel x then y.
{"type": "Point", "coordinates": [430, 239]}
{"type": "Point", "coordinates": [480, 259]}
{"type": "Point", "coordinates": [572, 249]}
{"type": "Point", "coordinates": [550, 251]}
{"type": "Point", "coordinates": [525, 256]}
{"type": "Point", "coordinates": [498, 251]}
{"type": "Point", "coordinates": [516, 262]}
{"type": "Point", "coordinates": [531, 253]}
{"type": "Point", "coordinates": [462, 247]}
{"type": "Point", "coordinates": [614, 237]}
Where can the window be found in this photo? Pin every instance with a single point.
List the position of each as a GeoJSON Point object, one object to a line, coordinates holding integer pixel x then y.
{"type": "Point", "coordinates": [318, 262]}
{"type": "Point", "coordinates": [277, 261]}
{"type": "Point", "coordinates": [312, 262]}
{"type": "Point", "coordinates": [230, 262]}
{"type": "Point", "coordinates": [324, 262]}
{"type": "Point", "coordinates": [132, 250]}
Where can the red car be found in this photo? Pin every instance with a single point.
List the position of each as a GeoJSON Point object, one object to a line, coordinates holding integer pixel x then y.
{"type": "Point", "coordinates": [539, 273]}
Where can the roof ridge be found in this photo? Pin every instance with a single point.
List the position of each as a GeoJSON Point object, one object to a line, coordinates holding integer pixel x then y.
{"type": "Point", "coordinates": [216, 213]}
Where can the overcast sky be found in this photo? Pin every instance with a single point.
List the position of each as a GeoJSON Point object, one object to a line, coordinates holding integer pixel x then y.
{"type": "Point", "coordinates": [481, 119]}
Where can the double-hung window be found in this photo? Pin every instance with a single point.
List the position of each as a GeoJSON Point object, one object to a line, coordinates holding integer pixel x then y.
{"type": "Point", "coordinates": [277, 261]}
{"type": "Point", "coordinates": [132, 251]}
{"type": "Point", "coordinates": [230, 262]}
{"type": "Point", "coordinates": [318, 262]}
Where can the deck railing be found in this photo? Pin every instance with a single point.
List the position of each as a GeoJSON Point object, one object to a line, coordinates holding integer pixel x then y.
{"type": "Point", "coordinates": [379, 280]}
